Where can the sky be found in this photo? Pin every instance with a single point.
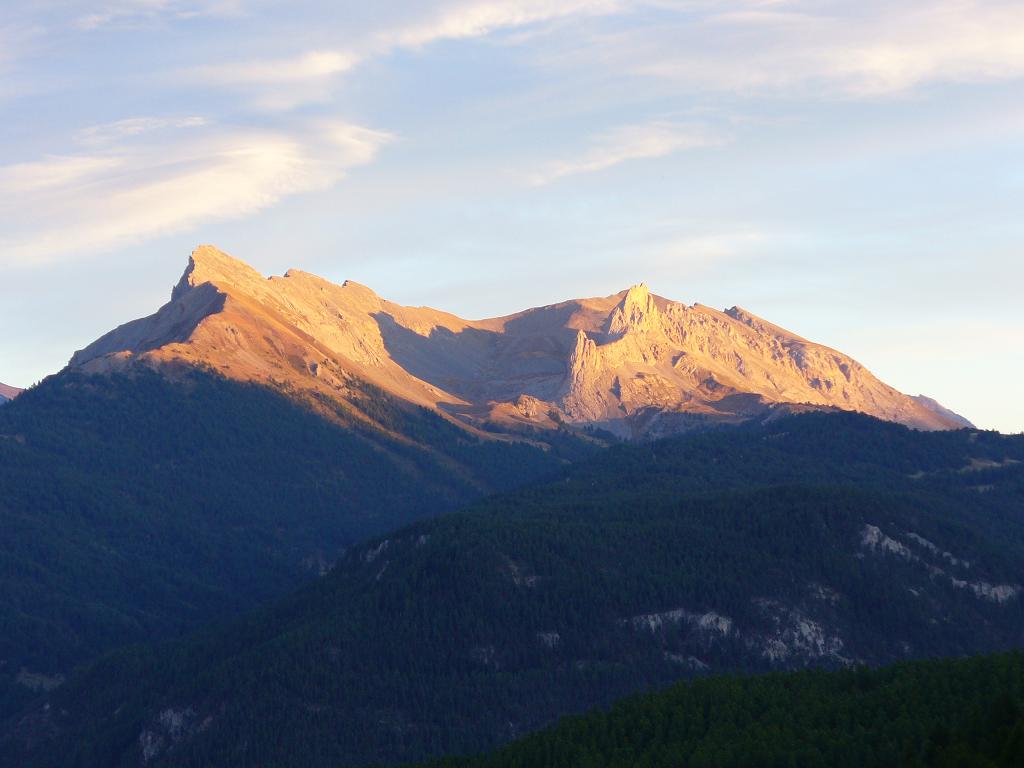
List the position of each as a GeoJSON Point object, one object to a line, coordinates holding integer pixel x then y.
{"type": "Point", "coordinates": [852, 171]}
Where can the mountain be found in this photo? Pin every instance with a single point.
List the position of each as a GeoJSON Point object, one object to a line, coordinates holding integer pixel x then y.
{"type": "Point", "coordinates": [937, 408]}
{"type": "Point", "coordinates": [8, 392]}
{"type": "Point", "coordinates": [967, 712]}
{"type": "Point", "coordinates": [634, 364]}
{"type": "Point", "coordinates": [136, 506]}
{"type": "Point", "coordinates": [822, 539]}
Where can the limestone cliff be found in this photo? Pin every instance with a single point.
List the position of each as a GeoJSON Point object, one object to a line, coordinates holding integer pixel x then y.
{"type": "Point", "coordinates": [633, 363]}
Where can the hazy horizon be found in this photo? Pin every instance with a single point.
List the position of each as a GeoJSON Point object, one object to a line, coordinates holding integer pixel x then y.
{"type": "Point", "coordinates": [851, 172]}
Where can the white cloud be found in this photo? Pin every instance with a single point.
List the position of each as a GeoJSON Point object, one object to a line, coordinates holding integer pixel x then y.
{"type": "Point", "coordinates": [313, 65]}
{"type": "Point", "coordinates": [626, 143]}
{"type": "Point", "coordinates": [958, 41]}
{"type": "Point", "coordinates": [281, 84]}
{"type": "Point", "coordinates": [869, 49]}
{"type": "Point", "coordinates": [705, 248]}
{"type": "Point", "coordinates": [133, 12]}
{"type": "Point", "coordinates": [863, 49]}
{"type": "Point", "coordinates": [133, 126]}
{"type": "Point", "coordinates": [477, 19]}
{"type": "Point", "coordinates": [53, 173]}
{"type": "Point", "coordinates": [66, 206]}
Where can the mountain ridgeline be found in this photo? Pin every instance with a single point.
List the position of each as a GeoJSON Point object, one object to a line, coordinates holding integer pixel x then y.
{"type": "Point", "coordinates": [632, 363]}
{"type": "Point", "coordinates": [817, 540]}
{"type": "Point", "coordinates": [206, 458]}
{"type": "Point", "coordinates": [224, 541]}
{"type": "Point", "coordinates": [8, 393]}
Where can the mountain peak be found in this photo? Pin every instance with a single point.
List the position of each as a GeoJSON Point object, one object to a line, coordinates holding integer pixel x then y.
{"type": "Point", "coordinates": [636, 311]}
{"type": "Point", "coordinates": [208, 264]}
{"type": "Point", "coordinates": [358, 289]}
{"type": "Point", "coordinates": [622, 362]}
{"type": "Point", "coordinates": [639, 291]}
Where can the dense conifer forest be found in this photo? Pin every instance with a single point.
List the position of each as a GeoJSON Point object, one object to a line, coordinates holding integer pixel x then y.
{"type": "Point", "coordinates": [966, 713]}
{"type": "Point", "coordinates": [822, 540]}
{"type": "Point", "coordinates": [136, 508]}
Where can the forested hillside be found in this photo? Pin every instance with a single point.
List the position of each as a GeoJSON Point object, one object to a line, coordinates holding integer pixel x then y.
{"type": "Point", "coordinates": [136, 508]}
{"type": "Point", "coordinates": [966, 713]}
{"type": "Point", "coordinates": [817, 540]}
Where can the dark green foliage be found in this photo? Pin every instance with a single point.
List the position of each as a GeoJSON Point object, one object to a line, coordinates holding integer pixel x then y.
{"type": "Point", "coordinates": [966, 713]}
{"type": "Point", "coordinates": [138, 508]}
{"type": "Point", "coordinates": [441, 638]}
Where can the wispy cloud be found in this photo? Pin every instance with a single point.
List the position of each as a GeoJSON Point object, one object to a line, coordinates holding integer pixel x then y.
{"type": "Point", "coordinates": [627, 143]}
{"type": "Point", "coordinates": [866, 49]}
{"type": "Point", "coordinates": [276, 84]}
{"type": "Point", "coordinates": [477, 19]}
{"type": "Point", "coordinates": [313, 65]}
{"type": "Point", "coordinates": [869, 50]}
{"type": "Point", "coordinates": [133, 12]}
{"type": "Point", "coordinates": [960, 41]}
{"type": "Point", "coordinates": [59, 207]}
{"type": "Point", "coordinates": [52, 173]}
{"type": "Point", "coordinates": [689, 250]}
{"type": "Point", "coordinates": [133, 126]}
{"type": "Point", "coordinates": [281, 84]}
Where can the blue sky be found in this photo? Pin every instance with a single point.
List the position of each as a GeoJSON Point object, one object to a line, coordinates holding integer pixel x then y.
{"type": "Point", "coordinates": [853, 171]}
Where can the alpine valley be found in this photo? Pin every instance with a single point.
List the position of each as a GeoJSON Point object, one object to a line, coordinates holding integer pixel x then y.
{"type": "Point", "coordinates": [286, 522]}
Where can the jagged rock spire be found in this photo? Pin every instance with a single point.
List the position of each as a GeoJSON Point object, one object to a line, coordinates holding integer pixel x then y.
{"type": "Point", "coordinates": [208, 264]}
{"type": "Point", "coordinates": [583, 362]}
{"type": "Point", "coordinates": [636, 312]}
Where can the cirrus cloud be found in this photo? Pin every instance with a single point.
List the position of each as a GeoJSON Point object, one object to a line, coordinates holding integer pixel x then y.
{"type": "Point", "coordinates": [313, 65]}
{"type": "Point", "coordinates": [69, 205]}
{"type": "Point", "coordinates": [626, 143]}
{"type": "Point", "coordinates": [283, 83]}
{"type": "Point", "coordinates": [865, 50]}
{"type": "Point", "coordinates": [133, 126]}
{"type": "Point", "coordinates": [132, 12]}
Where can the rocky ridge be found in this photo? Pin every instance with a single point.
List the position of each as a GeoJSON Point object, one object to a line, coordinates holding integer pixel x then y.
{"type": "Point", "coordinates": [8, 392]}
{"type": "Point", "coordinates": [632, 363]}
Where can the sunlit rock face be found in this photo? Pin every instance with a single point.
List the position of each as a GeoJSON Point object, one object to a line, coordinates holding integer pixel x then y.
{"type": "Point", "coordinates": [8, 393]}
{"type": "Point", "coordinates": [632, 363]}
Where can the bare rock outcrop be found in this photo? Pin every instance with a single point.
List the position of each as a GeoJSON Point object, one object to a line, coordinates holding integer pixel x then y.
{"type": "Point", "coordinates": [633, 363]}
{"type": "Point", "coordinates": [636, 313]}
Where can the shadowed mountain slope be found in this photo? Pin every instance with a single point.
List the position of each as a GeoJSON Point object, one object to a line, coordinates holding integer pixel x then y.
{"type": "Point", "coordinates": [814, 540]}
{"type": "Point", "coordinates": [135, 506]}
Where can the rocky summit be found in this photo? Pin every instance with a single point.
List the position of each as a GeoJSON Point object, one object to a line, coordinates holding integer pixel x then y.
{"type": "Point", "coordinates": [633, 363]}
